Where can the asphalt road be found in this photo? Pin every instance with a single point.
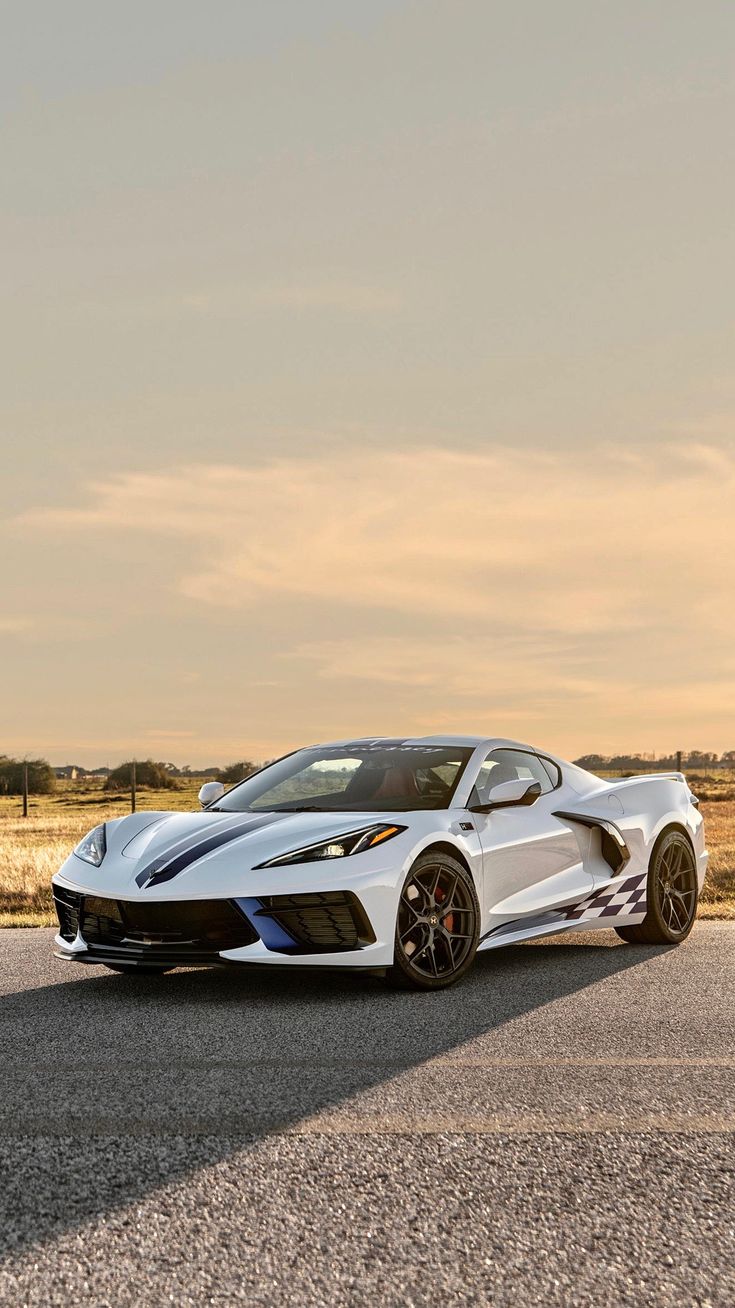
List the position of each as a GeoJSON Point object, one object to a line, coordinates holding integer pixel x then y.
{"type": "Point", "coordinates": [556, 1130]}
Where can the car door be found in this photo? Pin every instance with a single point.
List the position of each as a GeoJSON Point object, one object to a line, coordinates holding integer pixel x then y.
{"type": "Point", "coordinates": [531, 860]}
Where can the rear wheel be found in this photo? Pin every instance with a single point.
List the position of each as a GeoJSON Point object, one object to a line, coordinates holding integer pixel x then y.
{"type": "Point", "coordinates": [438, 924]}
{"type": "Point", "coordinates": [672, 894]}
{"type": "Point", "coordinates": [132, 969]}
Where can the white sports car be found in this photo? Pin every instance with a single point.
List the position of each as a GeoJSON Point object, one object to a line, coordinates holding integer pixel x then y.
{"type": "Point", "coordinates": [399, 856]}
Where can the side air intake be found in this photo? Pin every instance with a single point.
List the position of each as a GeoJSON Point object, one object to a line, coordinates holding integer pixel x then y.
{"type": "Point", "coordinates": [614, 849]}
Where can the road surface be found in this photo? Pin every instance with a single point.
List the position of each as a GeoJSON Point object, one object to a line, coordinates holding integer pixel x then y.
{"type": "Point", "coordinates": [557, 1130]}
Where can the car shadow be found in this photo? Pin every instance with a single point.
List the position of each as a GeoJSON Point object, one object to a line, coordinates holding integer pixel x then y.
{"type": "Point", "coordinates": [96, 1064]}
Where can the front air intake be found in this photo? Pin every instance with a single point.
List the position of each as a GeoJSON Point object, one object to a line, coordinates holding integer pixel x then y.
{"type": "Point", "coordinates": [68, 904]}
{"type": "Point", "coordinates": [323, 922]}
{"type": "Point", "coordinates": [194, 931]}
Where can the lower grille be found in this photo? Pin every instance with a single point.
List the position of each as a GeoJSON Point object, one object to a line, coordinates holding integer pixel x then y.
{"type": "Point", "coordinates": [195, 930]}
{"type": "Point", "coordinates": [323, 922]}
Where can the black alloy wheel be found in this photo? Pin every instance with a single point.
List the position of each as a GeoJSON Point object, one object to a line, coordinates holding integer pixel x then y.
{"type": "Point", "coordinates": [438, 924]}
{"type": "Point", "coordinates": [672, 894]}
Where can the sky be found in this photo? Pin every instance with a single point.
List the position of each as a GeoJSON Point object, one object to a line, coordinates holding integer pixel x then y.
{"type": "Point", "coordinates": [366, 370]}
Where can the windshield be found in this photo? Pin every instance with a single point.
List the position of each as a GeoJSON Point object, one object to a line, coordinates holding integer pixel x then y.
{"type": "Point", "coordinates": [352, 779]}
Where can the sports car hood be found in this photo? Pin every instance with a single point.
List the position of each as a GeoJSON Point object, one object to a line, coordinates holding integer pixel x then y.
{"type": "Point", "coordinates": [179, 854]}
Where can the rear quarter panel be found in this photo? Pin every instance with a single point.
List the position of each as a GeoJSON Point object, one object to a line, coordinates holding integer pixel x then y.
{"type": "Point", "coordinates": [643, 807]}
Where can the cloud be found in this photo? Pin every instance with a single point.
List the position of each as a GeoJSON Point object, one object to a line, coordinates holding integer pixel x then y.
{"type": "Point", "coordinates": [11, 626]}
{"type": "Point", "coordinates": [514, 681]}
{"type": "Point", "coordinates": [457, 667]}
{"type": "Point", "coordinates": [167, 733]}
{"type": "Point", "coordinates": [334, 296]}
{"type": "Point", "coordinates": [579, 546]}
{"type": "Point", "coordinates": [584, 601]}
{"type": "Point", "coordinates": [344, 297]}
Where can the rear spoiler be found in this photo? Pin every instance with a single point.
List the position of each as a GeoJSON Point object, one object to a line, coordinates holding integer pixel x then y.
{"type": "Point", "coordinates": [616, 782]}
{"type": "Point", "coordinates": [646, 776]}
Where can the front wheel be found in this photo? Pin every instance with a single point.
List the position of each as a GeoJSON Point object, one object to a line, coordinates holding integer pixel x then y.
{"type": "Point", "coordinates": [438, 924]}
{"type": "Point", "coordinates": [672, 894]}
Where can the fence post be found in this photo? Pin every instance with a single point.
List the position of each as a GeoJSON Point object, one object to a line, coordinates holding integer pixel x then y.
{"type": "Point", "coordinates": [678, 760]}
{"type": "Point", "coordinates": [132, 787]}
{"type": "Point", "coordinates": [25, 790]}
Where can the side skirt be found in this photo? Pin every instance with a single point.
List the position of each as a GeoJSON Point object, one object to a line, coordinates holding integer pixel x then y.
{"type": "Point", "coordinates": [514, 932]}
{"type": "Point", "coordinates": [621, 903]}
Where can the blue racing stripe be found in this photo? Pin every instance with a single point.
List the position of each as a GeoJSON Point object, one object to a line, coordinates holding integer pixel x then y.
{"type": "Point", "coordinates": [165, 869]}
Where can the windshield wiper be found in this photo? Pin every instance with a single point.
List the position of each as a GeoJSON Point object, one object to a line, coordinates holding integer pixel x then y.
{"type": "Point", "coordinates": [299, 808]}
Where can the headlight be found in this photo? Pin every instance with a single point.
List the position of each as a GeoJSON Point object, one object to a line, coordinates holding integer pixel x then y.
{"type": "Point", "coordinates": [94, 846]}
{"type": "Point", "coordinates": [353, 842]}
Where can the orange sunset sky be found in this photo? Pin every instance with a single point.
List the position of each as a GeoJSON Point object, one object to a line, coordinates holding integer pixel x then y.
{"type": "Point", "coordinates": [367, 370]}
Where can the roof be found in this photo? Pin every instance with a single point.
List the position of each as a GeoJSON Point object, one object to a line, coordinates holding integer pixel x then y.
{"type": "Point", "coordinates": [466, 742]}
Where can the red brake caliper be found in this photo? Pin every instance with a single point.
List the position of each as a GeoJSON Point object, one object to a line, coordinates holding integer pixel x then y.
{"type": "Point", "coordinates": [448, 921]}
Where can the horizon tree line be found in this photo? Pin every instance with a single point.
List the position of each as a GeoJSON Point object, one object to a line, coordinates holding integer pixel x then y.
{"type": "Point", "coordinates": [153, 775]}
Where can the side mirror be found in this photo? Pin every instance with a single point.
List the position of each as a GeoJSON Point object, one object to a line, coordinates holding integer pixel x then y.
{"type": "Point", "coordinates": [509, 794]}
{"type": "Point", "coordinates": [210, 792]}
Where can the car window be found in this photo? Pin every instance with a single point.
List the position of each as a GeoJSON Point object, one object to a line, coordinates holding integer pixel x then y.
{"type": "Point", "coordinates": [357, 778]}
{"type": "Point", "coordinates": [317, 779]}
{"type": "Point", "coordinates": [511, 765]}
{"type": "Point", "coordinates": [553, 770]}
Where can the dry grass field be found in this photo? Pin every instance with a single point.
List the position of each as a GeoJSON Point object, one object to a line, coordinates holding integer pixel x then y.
{"type": "Point", "coordinates": [32, 848]}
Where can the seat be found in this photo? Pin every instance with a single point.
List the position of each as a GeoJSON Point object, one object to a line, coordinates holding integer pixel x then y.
{"type": "Point", "coordinates": [502, 772]}
{"type": "Point", "coordinates": [498, 774]}
{"type": "Point", "coordinates": [364, 784]}
{"type": "Point", "coordinates": [398, 783]}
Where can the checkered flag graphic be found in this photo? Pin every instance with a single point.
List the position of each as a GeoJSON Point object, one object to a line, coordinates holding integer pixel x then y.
{"type": "Point", "coordinates": [614, 901]}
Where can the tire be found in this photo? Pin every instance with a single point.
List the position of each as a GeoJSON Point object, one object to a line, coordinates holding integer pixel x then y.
{"type": "Point", "coordinates": [133, 969]}
{"type": "Point", "coordinates": [672, 894]}
{"type": "Point", "coordinates": [437, 925]}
